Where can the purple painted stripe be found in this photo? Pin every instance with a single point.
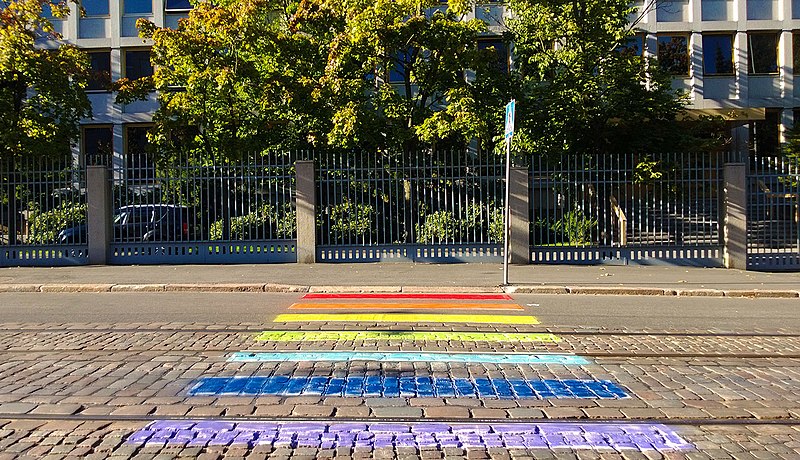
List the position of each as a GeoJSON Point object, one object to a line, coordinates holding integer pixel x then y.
{"type": "Point", "coordinates": [616, 436]}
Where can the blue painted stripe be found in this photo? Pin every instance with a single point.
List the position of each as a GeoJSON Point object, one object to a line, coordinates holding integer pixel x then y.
{"type": "Point", "coordinates": [406, 387]}
{"type": "Point", "coordinates": [494, 358]}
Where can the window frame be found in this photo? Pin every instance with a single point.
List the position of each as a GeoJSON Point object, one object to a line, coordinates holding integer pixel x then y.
{"type": "Point", "coordinates": [751, 64]}
{"type": "Point", "coordinates": [98, 15]}
{"type": "Point", "coordinates": [83, 150]}
{"type": "Point", "coordinates": [732, 37]}
{"type": "Point", "coordinates": [688, 54]}
{"type": "Point", "coordinates": [124, 56]}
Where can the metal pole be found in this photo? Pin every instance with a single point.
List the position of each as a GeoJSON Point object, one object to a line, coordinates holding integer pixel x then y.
{"type": "Point", "coordinates": [507, 236]}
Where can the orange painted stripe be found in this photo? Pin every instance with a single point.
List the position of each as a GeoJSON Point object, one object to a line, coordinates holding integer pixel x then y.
{"type": "Point", "coordinates": [405, 306]}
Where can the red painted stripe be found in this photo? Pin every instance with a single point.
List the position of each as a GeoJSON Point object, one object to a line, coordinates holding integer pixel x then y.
{"type": "Point", "coordinates": [410, 296]}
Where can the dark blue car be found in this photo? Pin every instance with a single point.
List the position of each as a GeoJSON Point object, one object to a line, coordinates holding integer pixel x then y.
{"type": "Point", "coordinates": [140, 222]}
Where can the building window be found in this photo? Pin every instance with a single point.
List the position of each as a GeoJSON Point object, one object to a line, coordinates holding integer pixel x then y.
{"type": "Point", "coordinates": [765, 134]}
{"type": "Point", "coordinates": [715, 10]}
{"type": "Point", "coordinates": [673, 54]}
{"type": "Point", "coordinates": [401, 64]}
{"type": "Point", "coordinates": [98, 144]}
{"type": "Point", "coordinates": [137, 64]}
{"type": "Point", "coordinates": [100, 70]}
{"type": "Point", "coordinates": [633, 45]}
{"type": "Point", "coordinates": [796, 53]}
{"type": "Point", "coordinates": [672, 11]}
{"type": "Point", "coordinates": [177, 5]}
{"type": "Point", "coordinates": [718, 54]}
{"type": "Point", "coordinates": [95, 7]}
{"type": "Point", "coordinates": [500, 50]}
{"type": "Point", "coordinates": [138, 6]}
{"type": "Point", "coordinates": [139, 164]}
{"type": "Point", "coordinates": [762, 53]}
{"type": "Point", "coordinates": [761, 9]}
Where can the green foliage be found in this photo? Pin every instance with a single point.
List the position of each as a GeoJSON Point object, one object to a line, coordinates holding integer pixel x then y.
{"type": "Point", "coordinates": [45, 225]}
{"type": "Point", "coordinates": [575, 227]}
{"type": "Point", "coordinates": [647, 171]}
{"type": "Point", "coordinates": [439, 227]}
{"type": "Point", "coordinates": [42, 97]}
{"type": "Point", "coordinates": [443, 226]}
{"type": "Point", "coordinates": [582, 92]}
{"type": "Point", "coordinates": [396, 76]}
{"type": "Point", "coordinates": [235, 77]}
{"type": "Point", "coordinates": [257, 224]}
{"type": "Point", "coordinates": [349, 218]}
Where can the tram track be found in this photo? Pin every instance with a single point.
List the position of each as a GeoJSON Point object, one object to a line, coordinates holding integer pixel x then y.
{"type": "Point", "coordinates": [258, 330]}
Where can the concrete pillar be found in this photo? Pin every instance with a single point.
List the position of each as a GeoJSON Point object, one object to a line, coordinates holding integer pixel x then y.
{"type": "Point", "coordinates": [306, 201]}
{"type": "Point", "coordinates": [735, 216]}
{"type": "Point", "coordinates": [98, 214]}
{"type": "Point", "coordinates": [519, 199]}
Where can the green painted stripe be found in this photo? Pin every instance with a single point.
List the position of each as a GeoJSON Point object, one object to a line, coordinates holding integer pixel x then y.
{"type": "Point", "coordinates": [403, 318]}
{"type": "Point", "coordinates": [420, 336]}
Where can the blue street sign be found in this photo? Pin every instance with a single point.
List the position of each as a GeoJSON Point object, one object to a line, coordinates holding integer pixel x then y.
{"type": "Point", "coordinates": [510, 109]}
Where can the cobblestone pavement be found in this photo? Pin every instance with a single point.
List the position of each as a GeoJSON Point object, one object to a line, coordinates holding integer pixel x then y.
{"type": "Point", "coordinates": [101, 390]}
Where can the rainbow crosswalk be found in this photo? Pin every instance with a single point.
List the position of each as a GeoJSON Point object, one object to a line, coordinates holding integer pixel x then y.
{"type": "Point", "coordinates": [416, 309]}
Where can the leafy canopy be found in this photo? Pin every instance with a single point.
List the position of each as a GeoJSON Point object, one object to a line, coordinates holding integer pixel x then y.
{"type": "Point", "coordinates": [42, 97]}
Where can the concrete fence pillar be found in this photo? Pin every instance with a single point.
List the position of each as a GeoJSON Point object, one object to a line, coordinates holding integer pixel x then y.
{"type": "Point", "coordinates": [519, 196]}
{"type": "Point", "coordinates": [98, 213]}
{"type": "Point", "coordinates": [306, 201]}
{"type": "Point", "coordinates": [734, 229]}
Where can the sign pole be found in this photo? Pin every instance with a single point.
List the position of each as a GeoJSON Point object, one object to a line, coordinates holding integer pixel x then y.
{"type": "Point", "coordinates": [509, 134]}
{"type": "Point", "coordinates": [507, 233]}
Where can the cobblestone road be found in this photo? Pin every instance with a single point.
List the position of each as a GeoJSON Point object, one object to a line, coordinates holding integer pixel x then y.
{"type": "Point", "coordinates": [165, 390]}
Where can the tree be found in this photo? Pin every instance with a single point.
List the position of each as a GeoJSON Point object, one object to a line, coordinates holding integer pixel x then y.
{"type": "Point", "coordinates": [398, 76]}
{"type": "Point", "coordinates": [234, 78]}
{"type": "Point", "coordinates": [42, 97]}
{"type": "Point", "coordinates": [581, 93]}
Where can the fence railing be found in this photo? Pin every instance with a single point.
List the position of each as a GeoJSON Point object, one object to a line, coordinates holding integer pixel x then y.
{"type": "Point", "coordinates": [626, 201]}
{"type": "Point", "coordinates": [437, 206]}
{"type": "Point", "coordinates": [38, 199]}
{"type": "Point", "coordinates": [773, 212]}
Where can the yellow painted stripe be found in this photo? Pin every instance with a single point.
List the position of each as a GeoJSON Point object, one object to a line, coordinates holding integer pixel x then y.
{"type": "Point", "coordinates": [404, 318]}
{"type": "Point", "coordinates": [405, 306]}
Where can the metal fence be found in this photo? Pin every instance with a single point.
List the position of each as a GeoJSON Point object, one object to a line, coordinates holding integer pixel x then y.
{"type": "Point", "coordinates": [626, 208]}
{"type": "Point", "coordinates": [187, 211]}
{"type": "Point", "coordinates": [38, 200]}
{"type": "Point", "coordinates": [773, 230]}
{"type": "Point", "coordinates": [443, 205]}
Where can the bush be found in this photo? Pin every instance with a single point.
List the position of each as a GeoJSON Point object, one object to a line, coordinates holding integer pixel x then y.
{"type": "Point", "coordinates": [44, 226]}
{"type": "Point", "coordinates": [261, 223]}
{"type": "Point", "coordinates": [575, 227]}
{"type": "Point", "coordinates": [352, 218]}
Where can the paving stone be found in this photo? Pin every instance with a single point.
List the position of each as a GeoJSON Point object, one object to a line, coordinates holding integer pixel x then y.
{"type": "Point", "coordinates": [16, 408]}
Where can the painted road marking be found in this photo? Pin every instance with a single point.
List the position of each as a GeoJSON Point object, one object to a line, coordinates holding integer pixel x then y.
{"type": "Point", "coordinates": [405, 306]}
{"type": "Point", "coordinates": [402, 318]}
{"type": "Point", "coordinates": [406, 387]}
{"type": "Point", "coordinates": [416, 336]}
{"type": "Point", "coordinates": [493, 358]}
{"type": "Point", "coordinates": [410, 295]}
{"type": "Point", "coordinates": [322, 435]}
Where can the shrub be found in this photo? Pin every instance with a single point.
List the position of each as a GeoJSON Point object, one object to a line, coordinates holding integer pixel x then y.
{"type": "Point", "coordinates": [44, 226]}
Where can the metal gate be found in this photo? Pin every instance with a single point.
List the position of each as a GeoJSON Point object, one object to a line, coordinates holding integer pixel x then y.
{"type": "Point", "coordinates": [773, 230]}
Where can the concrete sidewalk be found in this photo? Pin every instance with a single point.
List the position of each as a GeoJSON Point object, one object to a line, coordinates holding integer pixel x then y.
{"type": "Point", "coordinates": [408, 277]}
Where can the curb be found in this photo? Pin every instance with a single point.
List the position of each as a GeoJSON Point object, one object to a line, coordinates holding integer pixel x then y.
{"type": "Point", "coordinates": [291, 288]}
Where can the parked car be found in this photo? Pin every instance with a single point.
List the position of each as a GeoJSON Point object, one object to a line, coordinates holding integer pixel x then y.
{"type": "Point", "coordinates": [140, 222]}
